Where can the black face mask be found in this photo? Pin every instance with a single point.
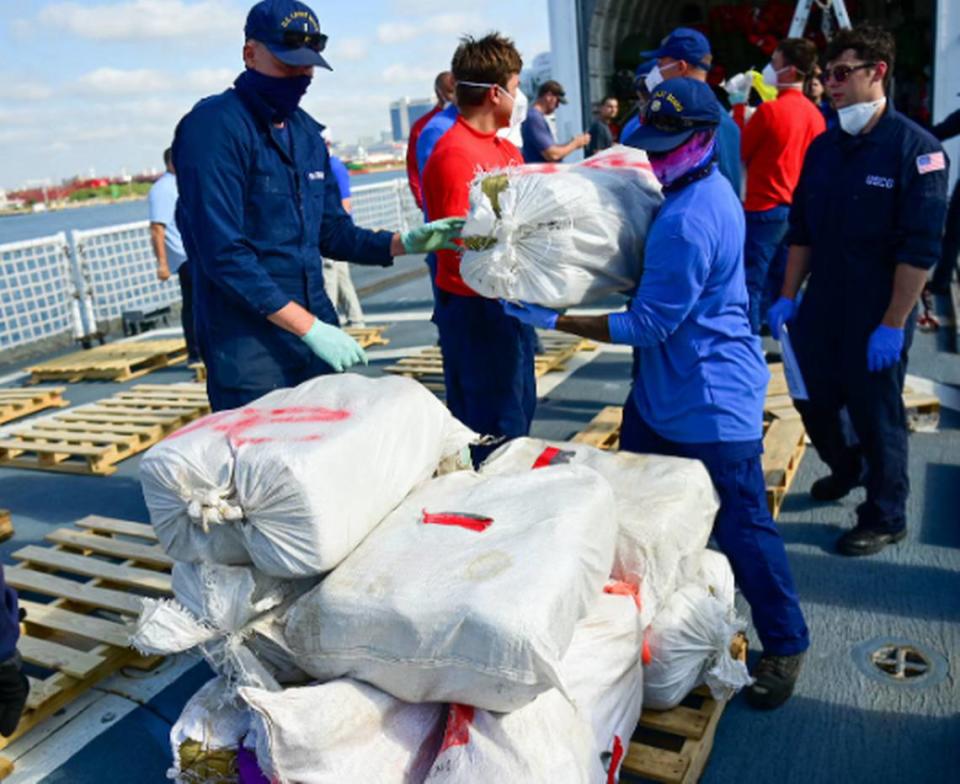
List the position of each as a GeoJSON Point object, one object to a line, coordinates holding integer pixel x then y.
{"type": "Point", "coordinates": [282, 94]}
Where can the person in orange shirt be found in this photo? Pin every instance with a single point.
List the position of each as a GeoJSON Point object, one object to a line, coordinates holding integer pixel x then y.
{"type": "Point", "coordinates": [773, 147]}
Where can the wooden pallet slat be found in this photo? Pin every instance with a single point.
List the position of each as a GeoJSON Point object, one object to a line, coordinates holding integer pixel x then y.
{"type": "Point", "coordinates": [92, 628]}
{"type": "Point", "coordinates": [17, 403]}
{"type": "Point", "coordinates": [149, 554]}
{"type": "Point", "coordinates": [110, 525]}
{"type": "Point", "coordinates": [368, 336]}
{"type": "Point", "coordinates": [112, 362]}
{"type": "Point", "coordinates": [105, 571]}
{"type": "Point", "coordinates": [54, 656]}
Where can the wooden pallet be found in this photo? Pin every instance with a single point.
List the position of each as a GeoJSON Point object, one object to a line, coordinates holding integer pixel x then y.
{"type": "Point", "coordinates": [112, 362]}
{"type": "Point", "coordinates": [16, 403]}
{"type": "Point", "coordinates": [92, 439]}
{"type": "Point", "coordinates": [426, 366]}
{"type": "Point", "coordinates": [674, 746]}
{"type": "Point", "coordinates": [923, 411]}
{"type": "Point", "coordinates": [81, 596]}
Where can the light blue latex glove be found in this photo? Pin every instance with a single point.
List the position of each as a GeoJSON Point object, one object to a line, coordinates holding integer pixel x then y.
{"type": "Point", "coordinates": [334, 346]}
{"type": "Point", "coordinates": [782, 311]}
{"type": "Point", "coordinates": [434, 236]}
{"type": "Point", "coordinates": [534, 315]}
{"type": "Point", "coordinates": [884, 348]}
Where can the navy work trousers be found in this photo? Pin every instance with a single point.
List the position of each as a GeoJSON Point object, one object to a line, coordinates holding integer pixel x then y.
{"type": "Point", "coordinates": [764, 258]}
{"type": "Point", "coordinates": [857, 422]}
{"type": "Point", "coordinates": [488, 367]}
{"type": "Point", "coordinates": [744, 529]}
{"type": "Point", "coordinates": [185, 275]}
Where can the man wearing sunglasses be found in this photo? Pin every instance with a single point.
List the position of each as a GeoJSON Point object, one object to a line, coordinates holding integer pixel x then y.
{"type": "Point", "coordinates": [258, 205]}
{"type": "Point", "coordinates": [699, 376]}
{"type": "Point", "coordinates": [865, 229]}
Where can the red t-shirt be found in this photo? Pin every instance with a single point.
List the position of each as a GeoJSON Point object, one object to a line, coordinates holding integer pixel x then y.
{"type": "Point", "coordinates": [773, 146]}
{"type": "Point", "coordinates": [413, 171]}
{"type": "Point", "coordinates": [460, 153]}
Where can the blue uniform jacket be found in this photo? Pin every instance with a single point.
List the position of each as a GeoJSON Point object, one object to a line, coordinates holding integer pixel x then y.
{"type": "Point", "coordinates": [863, 206]}
{"type": "Point", "coordinates": [701, 373]}
{"type": "Point", "coordinates": [257, 208]}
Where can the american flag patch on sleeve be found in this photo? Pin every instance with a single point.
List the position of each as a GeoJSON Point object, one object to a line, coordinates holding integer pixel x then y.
{"type": "Point", "coordinates": [931, 162]}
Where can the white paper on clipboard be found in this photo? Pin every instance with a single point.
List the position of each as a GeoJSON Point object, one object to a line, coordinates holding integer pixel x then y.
{"type": "Point", "coordinates": [791, 369]}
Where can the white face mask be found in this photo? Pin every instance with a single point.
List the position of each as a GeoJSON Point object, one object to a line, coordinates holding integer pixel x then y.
{"type": "Point", "coordinates": [517, 116]}
{"type": "Point", "coordinates": [655, 78]}
{"type": "Point", "coordinates": [853, 119]}
{"type": "Point", "coordinates": [771, 75]}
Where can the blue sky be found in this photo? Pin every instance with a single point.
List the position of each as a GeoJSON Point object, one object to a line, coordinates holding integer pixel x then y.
{"type": "Point", "coordinates": [94, 83]}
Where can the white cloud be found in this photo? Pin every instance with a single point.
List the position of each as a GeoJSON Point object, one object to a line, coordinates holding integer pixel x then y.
{"type": "Point", "coordinates": [400, 31]}
{"type": "Point", "coordinates": [350, 49]}
{"type": "Point", "coordinates": [209, 80]}
{"type": "Point", "coordinates": [117, 81]}
{"type": "Point", "coordinates": [12, 89]}
{"type": "Point", "coordinates": [404, 74]}
{"type": "Point", "coordinates": [138, 20]}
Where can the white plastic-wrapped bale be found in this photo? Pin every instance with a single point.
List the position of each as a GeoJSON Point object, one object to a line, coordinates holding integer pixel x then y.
{"type": "Point", "coordinates": [469, 592]}
{"type": "Point", "coordinates": [560, 234]}
{"type": "Point", "coordinates": [556, 740]}
{"type": "Point", "coordinates": [690, 639]}
{"type": "Point", "coordinates": [343, 731]}
{"type": "Point", "coordinates": [232, 614]}
{"type": "Point", "coordinates": [294, 481]}
{"type": "Point", "coordinates": [665, 508]}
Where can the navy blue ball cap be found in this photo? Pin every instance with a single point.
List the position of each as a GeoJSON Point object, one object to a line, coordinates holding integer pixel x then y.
{"type": "Point", "coordinates": [290, 31]}
{"type": "Point", "coordinates": [678, 108]}
{"type": "Point", "coordinates": [685, 44]}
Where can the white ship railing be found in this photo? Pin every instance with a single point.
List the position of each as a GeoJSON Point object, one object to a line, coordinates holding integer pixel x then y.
{"type": "Point", "coordinates": [76, 285]}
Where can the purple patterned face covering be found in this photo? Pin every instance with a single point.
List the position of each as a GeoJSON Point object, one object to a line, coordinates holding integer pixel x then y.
{"type": "Point", "coordinates": [691, 155]}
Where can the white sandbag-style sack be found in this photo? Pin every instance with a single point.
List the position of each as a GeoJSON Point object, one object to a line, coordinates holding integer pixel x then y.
{"type": "Point", "coordinates": [665, 508]}
{"type": "Point", "coordinates": [555, 740]}
{"type": "Point", "coordinates": [689, 642]}
{"type": "Point", "coordinates": [561, 234]}
{"type": "Point", "coordinates": [343, 731]}
{"type": "Point", "coordinates": [468, 592]}
{"type": "Point", "coordinates": [205, 739]}
{"type": "Point", "coordinates": [294, 481]}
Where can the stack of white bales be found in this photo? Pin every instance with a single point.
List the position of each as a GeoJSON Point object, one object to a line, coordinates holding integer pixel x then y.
{"type": "Point", "coordinates": [486, 626]}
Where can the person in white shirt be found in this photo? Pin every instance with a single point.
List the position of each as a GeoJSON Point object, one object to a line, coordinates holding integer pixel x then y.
{"type": "Point", "coordinates": [168, 247]}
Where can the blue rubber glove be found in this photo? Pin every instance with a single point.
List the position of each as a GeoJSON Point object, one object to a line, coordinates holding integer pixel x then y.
{"type": "Point", "coordinates": [434, 236]}
{"type": "Point", "coordinates": [334, 346]}
{"type": "Point", "coordinates": [782, 311]}
{"type": "Point", "coordinates": [534, 315]}
{"type": "Point", "coordinates": [884, 348]}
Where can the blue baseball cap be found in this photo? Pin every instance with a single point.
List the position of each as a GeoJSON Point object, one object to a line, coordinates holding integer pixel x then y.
{"type": "Point", "coordinates": [685, 44]}
{"type": "Point", "coordinates": [678, 108]}
{"type": "Point", "coordinates": [290, 31]}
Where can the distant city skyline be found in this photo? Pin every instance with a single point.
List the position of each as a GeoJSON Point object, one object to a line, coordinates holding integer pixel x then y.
{"type": "Point", "coordinates": [102, 84]}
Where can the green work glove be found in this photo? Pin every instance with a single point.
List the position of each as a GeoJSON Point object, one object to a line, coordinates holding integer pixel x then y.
{"type": "Point", "coordinates": [431, 237]}
{"type": "Point", "coordinates": [334, 346]}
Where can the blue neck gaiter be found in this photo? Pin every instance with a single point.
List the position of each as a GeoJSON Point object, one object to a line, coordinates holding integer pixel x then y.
{"type": "Point", "coordinates": [282, 94]}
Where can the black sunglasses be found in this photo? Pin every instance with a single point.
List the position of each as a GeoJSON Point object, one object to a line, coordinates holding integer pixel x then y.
{"type": "Point", "coordinates": [840, 73]}
{"type": "Point", "coordinates": [296, 40]}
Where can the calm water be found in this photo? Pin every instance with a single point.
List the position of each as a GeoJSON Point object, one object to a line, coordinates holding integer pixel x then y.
{"type": "Point", "coordinates": [14, 228]}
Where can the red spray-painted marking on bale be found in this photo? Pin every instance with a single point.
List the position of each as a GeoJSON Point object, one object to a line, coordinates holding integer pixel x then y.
{"type": "Point", "coordinates": [471, 522]}
{"type": "Point", "coordinates": [620, 588]}
{"type": "Point", "coordinates": [238, 421]}
{"type": "Point", "coordinates": [458, 726]}
{"type": "Point", "coordinates": [546, 458]}
{"type": "Point", "coordinates": [615, 760]}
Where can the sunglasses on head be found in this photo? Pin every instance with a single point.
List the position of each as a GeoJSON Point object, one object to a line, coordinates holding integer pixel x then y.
{"type": "Point", "coordinates": [840, 73]}
{"type": "Point", "coordinates": [293, 39]}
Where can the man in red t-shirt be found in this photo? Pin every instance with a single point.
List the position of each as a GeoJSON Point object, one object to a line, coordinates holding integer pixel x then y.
{"type": "Point", "coordinates": [488, 357]}
{"type": "Point", "coordinates": [443, 88]}
{"type": "Point", "coordinates": [773, 147]}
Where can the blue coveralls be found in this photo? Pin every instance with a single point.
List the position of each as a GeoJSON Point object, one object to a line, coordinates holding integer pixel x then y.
{"type": "Point", "coordinates": [700, 388]}
{"type": "Point", "coordinates": [257, 208]}
{"type": "Point", "coordinates": [863, 207]}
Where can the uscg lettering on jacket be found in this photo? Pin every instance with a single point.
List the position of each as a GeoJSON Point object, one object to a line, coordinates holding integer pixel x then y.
{"type": "Point", "coordinates": [315, 175]}
{"type": "Point", "coordinates": [880, 182]}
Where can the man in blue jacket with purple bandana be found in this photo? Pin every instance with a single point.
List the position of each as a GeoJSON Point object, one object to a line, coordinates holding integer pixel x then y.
{"type": "Point", "coordinates": [701, 390]}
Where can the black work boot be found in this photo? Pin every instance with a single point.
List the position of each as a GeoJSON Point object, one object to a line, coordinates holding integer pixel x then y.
{"type": "Point", "coordinates": [831, 488]}
{"type": "Point", "coordinates": [864, 540]}
{"type": "Point", "coordinates": [775, 678]}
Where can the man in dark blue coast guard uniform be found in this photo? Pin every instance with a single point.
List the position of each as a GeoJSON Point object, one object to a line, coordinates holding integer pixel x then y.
{"type": "Point", "coordinates": [865, 229]}
{"type": "Point", "coordinates": [258, 206]}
